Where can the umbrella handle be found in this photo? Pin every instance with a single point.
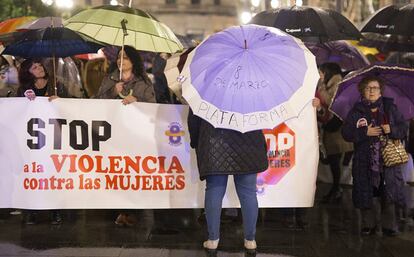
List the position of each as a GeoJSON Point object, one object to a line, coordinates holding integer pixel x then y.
{"type": "Point", "coordinates": [123, 25]}
{"type": "Point", "coordinates": [124, 29]}
{"type": "Point", "coordinates": [129, 94]}
{"type": "Point", "coordinates": [125, 32]}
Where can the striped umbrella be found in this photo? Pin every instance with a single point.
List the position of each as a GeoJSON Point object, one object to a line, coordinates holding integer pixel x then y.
{"type": "Point", "coordinates": [143, 31]}
{"type": "Point", "coordinates": [11, 25]}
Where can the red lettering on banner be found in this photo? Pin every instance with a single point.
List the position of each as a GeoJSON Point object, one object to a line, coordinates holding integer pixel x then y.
{"type": "Point", "coordinates": [175, 166]}
{"type": "Point", "coordinates": [158, 183]}
{"type": "Point", "coordinates": [281, 154]}
{"type": "Point", "coordinates": [51, 183]}
{"type": "Point", "coordinates": [111, 182]}
{"type": "Point", "coordinates": [88, 183]}
{"type": "Point", "coordinates": [150, 173]}
{"type": "Point", "coordinates": [114, 164]}
{"type": "Point", "coordinates": [169, 182]}
{"type": "Point", "coordinates": [145, 166]}
{"type": "Point", "coordinates": [124, 184]}
{"type": "Point", "coordinates": [129, 163]}
{"type": "Point", "coordinates": [72, 158]}
{"type": "Point", "coordinates": [58, 164]}
{"type": "Point", "coordinates": [145, 182]}
{"type": "Point", "coordinates": [161, 160]}
{"type": "Point", "coordinates": [180, 182]}
{"type": "Point", "coordinates": [99, 165]}
{"type": "Point", "coordinates": [117, 164]}
{"type": "Point", "coordinates": [85, 167]}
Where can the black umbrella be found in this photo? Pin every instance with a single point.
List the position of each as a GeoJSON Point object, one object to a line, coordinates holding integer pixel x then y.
{"type": "Point", "coordinates": [392, 20]}
{"type": "Point", "coordinates": [311, 24]}
{"type": "Point", "coordinates": [186, 41]}
{"type": "Point", "coordinates": [406, 59]}
{"type": "Point", "coordinates": [390, 29]}
{"type": "Point", "coordinates": [50, 42]}
{"type": "Point", "coordinates": [388, 43]}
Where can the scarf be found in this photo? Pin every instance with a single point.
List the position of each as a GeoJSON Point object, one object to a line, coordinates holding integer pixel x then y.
{"type": "Point", "coordinates": [375, 147]}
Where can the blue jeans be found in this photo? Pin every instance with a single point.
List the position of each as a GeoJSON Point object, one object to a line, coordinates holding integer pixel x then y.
{"type": "Point", "coordinates": [246, 191]}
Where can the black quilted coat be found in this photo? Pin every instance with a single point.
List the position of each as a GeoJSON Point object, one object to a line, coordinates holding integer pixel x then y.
{"type": "Point", "coordinates": [224, 151]}
{"type": "Point", "coordinates": [362, 191]}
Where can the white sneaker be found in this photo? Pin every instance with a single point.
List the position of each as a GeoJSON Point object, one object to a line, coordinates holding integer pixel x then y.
{"type": "Point", "coordinates": [211, 244]}
{"type": "Point", "coordinates": [250, 244]}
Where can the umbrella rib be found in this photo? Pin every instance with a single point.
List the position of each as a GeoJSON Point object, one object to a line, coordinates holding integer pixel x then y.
{"type": "Point", "coordinates": [109, 26]}
{"type": "Point", "coordinates": [116, 36]}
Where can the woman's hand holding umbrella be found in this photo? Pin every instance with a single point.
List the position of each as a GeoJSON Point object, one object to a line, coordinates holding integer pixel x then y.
{"type": "Point", "coordinates": [119, 87]}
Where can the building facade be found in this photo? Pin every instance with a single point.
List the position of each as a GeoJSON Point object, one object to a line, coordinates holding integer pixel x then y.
{"type": "Point", "coordinates": [199, 18]}
{"type": "Point", "coordinates": [193, 18]}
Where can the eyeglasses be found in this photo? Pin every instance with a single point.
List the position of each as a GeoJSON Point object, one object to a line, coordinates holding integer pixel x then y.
{"type": "Point", "coordinates": [372, 89]}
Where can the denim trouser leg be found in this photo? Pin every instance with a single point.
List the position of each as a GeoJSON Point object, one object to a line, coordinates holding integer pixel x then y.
{"type": "Point", "coordinates": [246, 191]}
{"type": "Point", "coordinates": [215, 190]}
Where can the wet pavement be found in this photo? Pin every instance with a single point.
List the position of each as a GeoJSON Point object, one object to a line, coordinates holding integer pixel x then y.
{"type": "Point", "coordinates": [332, 230]}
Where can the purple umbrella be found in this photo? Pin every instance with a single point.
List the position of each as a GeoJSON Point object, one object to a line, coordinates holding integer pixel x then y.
{"type": "Point", "coordinates": [341, 52]}
{"type": "Point", "coordinates": [399, 85]}
{"type": "Point", "coordinates": [249, 77]}
{"type": "Point", "coordinates": [42, 23]}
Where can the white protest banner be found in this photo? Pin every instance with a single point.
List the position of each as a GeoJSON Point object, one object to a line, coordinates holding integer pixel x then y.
{"type": "Point", "coordinates": [84, 153]}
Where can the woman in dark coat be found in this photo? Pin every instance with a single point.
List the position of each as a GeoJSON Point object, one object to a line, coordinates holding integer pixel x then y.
{"type": "Point", "coordinates": [373, 183]}
{"type": "Point", "coordinates": [223, 152]}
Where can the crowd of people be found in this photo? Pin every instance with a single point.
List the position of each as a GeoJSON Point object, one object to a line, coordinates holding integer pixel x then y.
{"type": "Point", "coordinates": [376, 189]}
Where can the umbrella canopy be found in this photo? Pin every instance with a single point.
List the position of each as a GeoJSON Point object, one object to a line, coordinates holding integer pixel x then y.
{"type": "Point", "coordinates": [11, 25]}
{"type": "Point", "coordinates": [390, 29]}
{"type": "Point", "coordinates": [387, 43]}
{"type": "Point", "coordinates": [311, 24]}
{"type": "Point", "coordinates": [340, 52]}
{"type": "Point", "coordinates": [406, 59]}
{"type": "Point", "coordinates": [186, 41]}
{"type": "Point", "coordinates": [365, 50]}
{"type": "Point", "coordinates": [173, 68]}
{"type": "Point", "coordinates": [249, 77]}
{"type": "Point", "coordinates": [51, 42]}
{"type": "Point", "coordinates": [42, 23]}
{"type": "Point", "coordinates": [144, 32]}
{"type": "Point", "coordinates": [391, 20]}
{"type": "Point", "coordinates": [398, 81]}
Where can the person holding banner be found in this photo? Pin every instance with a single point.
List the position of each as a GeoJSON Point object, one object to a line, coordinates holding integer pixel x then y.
{"type": "Point", "coordinates": [129, 82]}
{"type": "Point", "coordinates": [34, 81]}
{"type": "Point", "coordinates": [376, 188]}
{"type": "Point", "coordinates": [224, 152]}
